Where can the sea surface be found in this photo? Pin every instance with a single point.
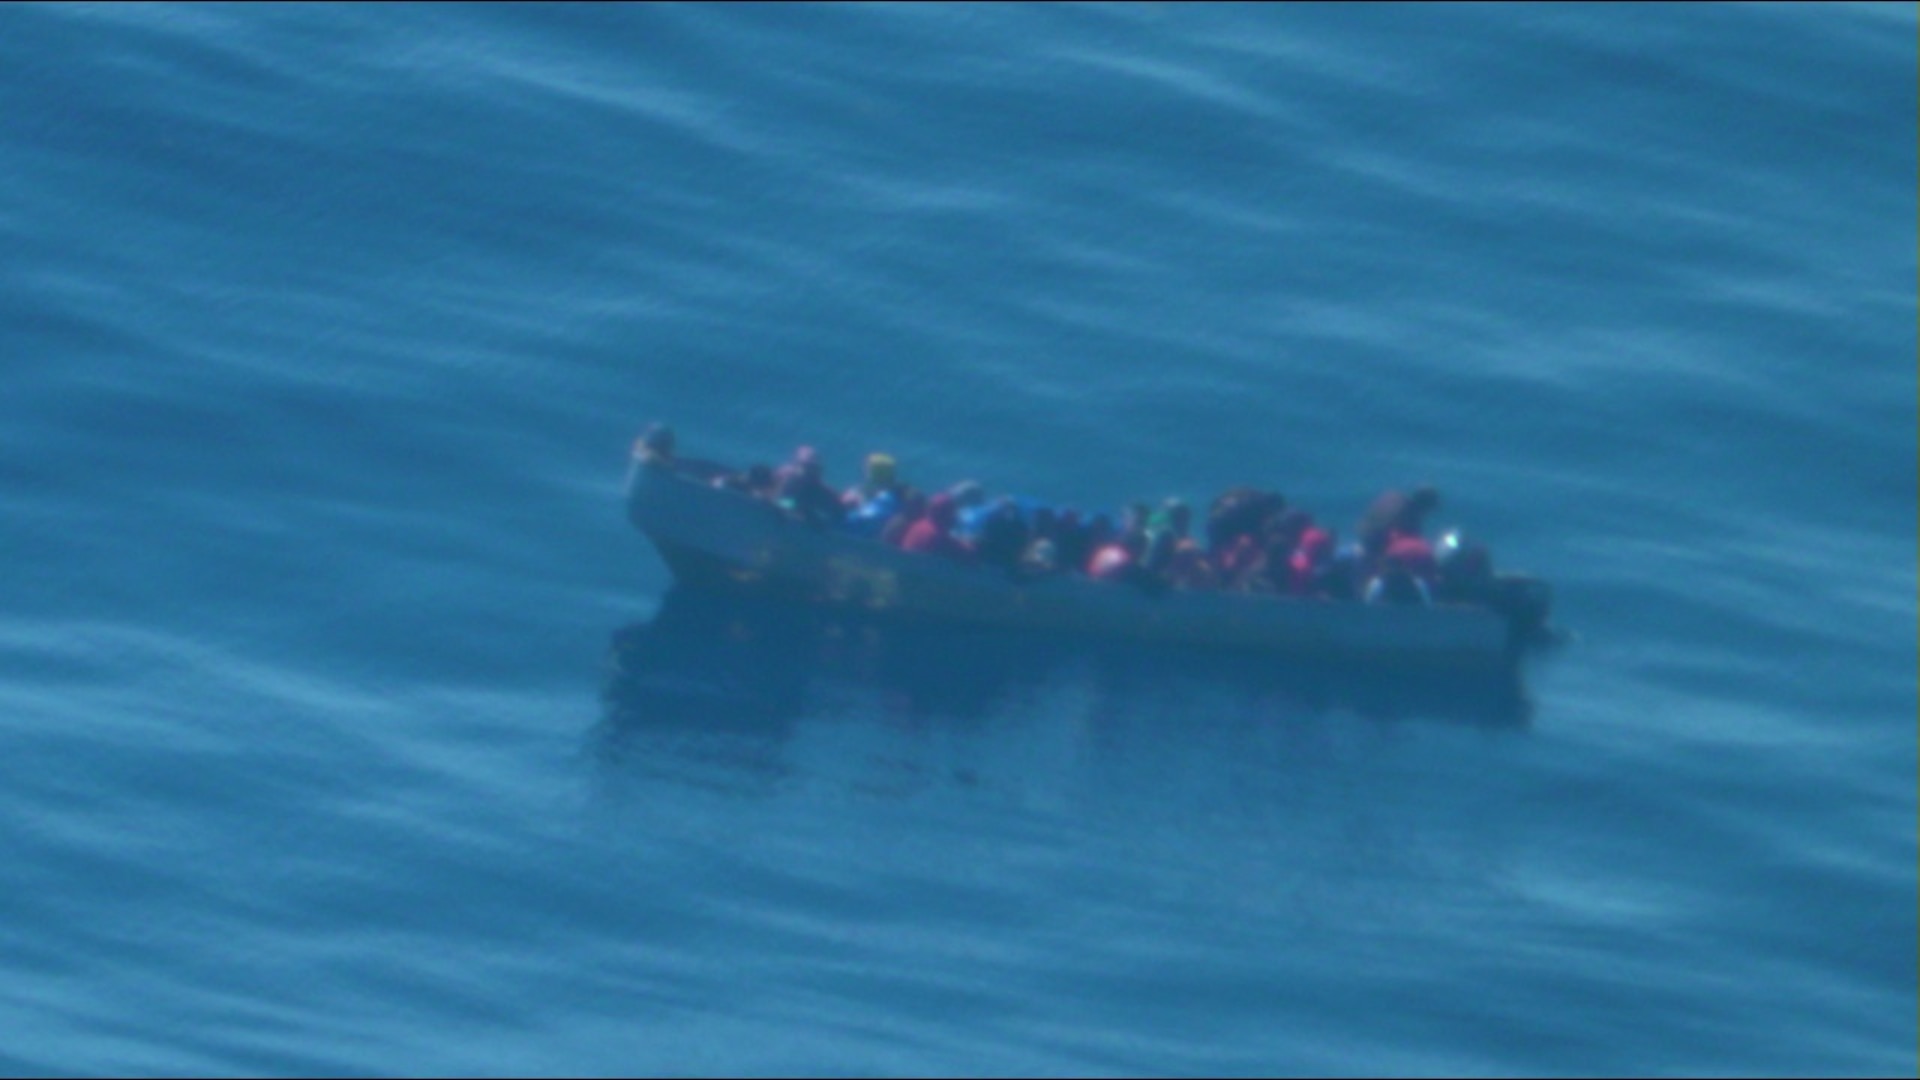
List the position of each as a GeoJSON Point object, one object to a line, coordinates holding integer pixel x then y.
{"type": "Point", "coordinates": [347, 728]}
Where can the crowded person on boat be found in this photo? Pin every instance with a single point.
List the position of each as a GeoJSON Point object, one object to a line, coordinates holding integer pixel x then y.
{"type": "Point", "coordinates": [1252, 540]}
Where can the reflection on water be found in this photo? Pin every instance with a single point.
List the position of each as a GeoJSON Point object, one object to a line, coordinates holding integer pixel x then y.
{"type": "Point", "coordinates": [755, 670]}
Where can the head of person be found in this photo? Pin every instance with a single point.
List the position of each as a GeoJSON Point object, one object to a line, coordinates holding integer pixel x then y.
{"type": "Point", "coordinates": [1285, 528]}
{"type": "Point", "coordinates": [1179, 516]}
{"type": "Point", "coordinates": [1272, 511]}
{"type": "Point", "coordinates": [656, 441]}
{"type": "Point", "coordinates": [1043, 521]}
{"type": "Point", "coordinates": [1100, 528]}
{"type": "Point", "coordinates": [881, 471]}
{"type": "Point", "coordinates": [1159, 550]}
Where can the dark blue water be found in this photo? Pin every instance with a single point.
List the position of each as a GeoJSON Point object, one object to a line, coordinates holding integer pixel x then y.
{"type": "Point", "coordinates": [341, 735]}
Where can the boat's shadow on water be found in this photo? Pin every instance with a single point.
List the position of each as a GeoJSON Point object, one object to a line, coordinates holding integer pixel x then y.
{"type": "Point", "coordinates": [756, 667]}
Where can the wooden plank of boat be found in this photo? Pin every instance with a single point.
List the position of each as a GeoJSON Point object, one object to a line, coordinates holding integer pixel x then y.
{"type": "Point", "coordinates": [714, 538]}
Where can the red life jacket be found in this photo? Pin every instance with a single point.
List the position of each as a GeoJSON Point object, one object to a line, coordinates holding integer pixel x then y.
{"type": "Point", "coordinates": [1413, 554]}
{"type": "Point", "coordinates": [1239, 557]}
{"type": "Point", "coordinates": [1315, 544]}
{"type": "Point", "coordinates": [933, 532]}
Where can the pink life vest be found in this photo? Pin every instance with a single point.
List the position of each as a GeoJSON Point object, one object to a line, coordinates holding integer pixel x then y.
{"type": "Point", "coordinates": [1110, 562]}
{"type": "Point", "coordinates": [1413, 554]}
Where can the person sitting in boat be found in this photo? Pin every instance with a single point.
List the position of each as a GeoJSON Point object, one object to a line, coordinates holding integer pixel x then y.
{"type": "Point", "coordinates": [1174, 516]}
{"type": "Point", "coordinates": [1112, 561]}
{"type": "Point", "coordinates": [1002, 537]}
{"type": "Point", "coordinates": [1238, 562]}
{"type": "Point", "coordinates": [1413, 554]}
{"type": "Point", "coordinates": [970, 508]}
{"type": "Point", "coordinates": [881, 477]}
{"type": "Point", "coordinates": [1344, 576]}
{"type": "Point", "coordinates": [933, 533]}
{"type": "Point", "coordinates": [1189, 567]}
{"type": "Point", "coordinates": [870, 516]}
{"type": "Point", "coordinates": [1172, 554]}
{"type": "Point", "coordinates": [1041, 559]}
{"type": "Point", "coordinates": [1398, 586]}
{"type": "Point", "coordinates": [1123, 559]}
{"type": "Point", "coordinates": [1098, 533]}
{"type": "Point", "coordinates": [1407, 573]}
{"type": "Point", "coordinates": [1268, 568]}
{"type": "Point", "coordinates": [655, 445]}
{"type": "Point", "coordinates": [1238, 512]}
{"type": "Point", "coordinates": [1070, 540]}
{"type": "Point", "coordinates": [1156, 552]}
{"type": "Point", "coordinates": [1310, 563]}
{"type": "Point", "coordinates": [1395, 514]}
{"type": "Point", "coordinates": [1466, 571]}
{"type": "Point", "coordinates": [804, 459]}
{"type": "Point", "coordinates": [757, 481]}
{"type": "Point", "coordinates": [1043, 523]}
{"type": "Point", "coordinates": [803, 491]}
{"type": "Point", "coordinates": [913, 505]}
{"type": "Point", "coordinates": [1042, 555]}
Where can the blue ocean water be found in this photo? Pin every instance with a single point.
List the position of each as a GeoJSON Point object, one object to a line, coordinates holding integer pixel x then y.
{"type": "Point", "coordinates": [349, 728]}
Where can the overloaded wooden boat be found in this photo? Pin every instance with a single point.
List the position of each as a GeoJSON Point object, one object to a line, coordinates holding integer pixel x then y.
{"type": "Point", "coordinates": [715, 538]}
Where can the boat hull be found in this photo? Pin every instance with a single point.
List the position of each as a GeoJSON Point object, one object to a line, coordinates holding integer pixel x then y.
{"type": "Point", "coordinates": [718, 539]}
